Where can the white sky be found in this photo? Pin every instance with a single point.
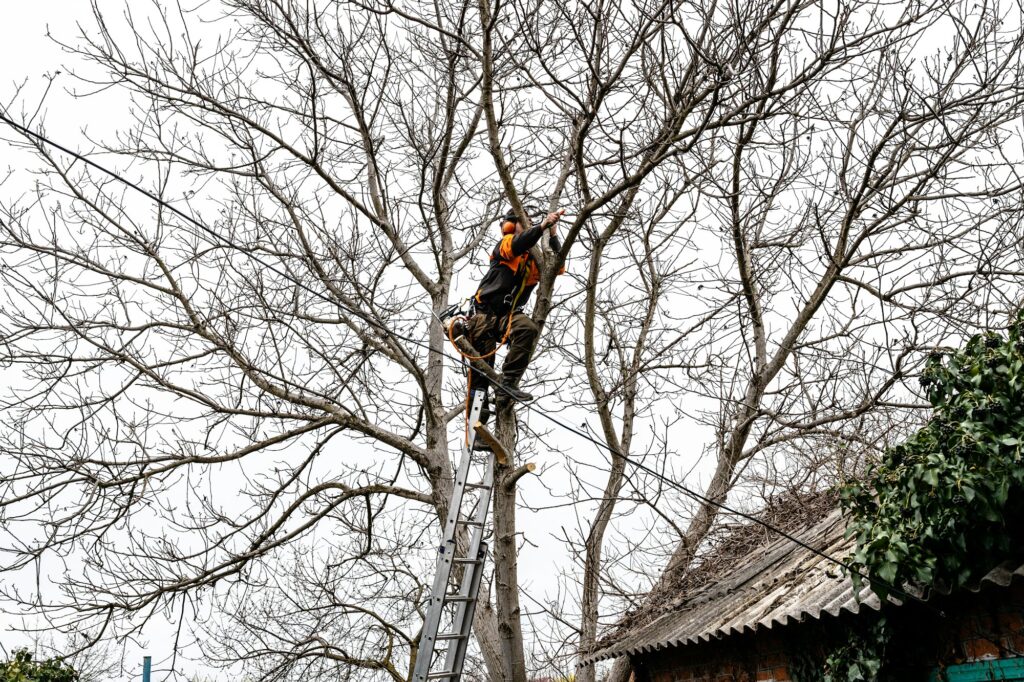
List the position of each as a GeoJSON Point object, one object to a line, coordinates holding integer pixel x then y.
{"type": "Point", "coordinates": [29, 57]}
{"type": "Point", "coordinates": [26, 55]}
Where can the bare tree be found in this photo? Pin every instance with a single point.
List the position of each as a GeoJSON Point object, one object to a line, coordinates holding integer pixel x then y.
{"type": "Point", "coordinates": [167, 360]}
{"type": "Point", "coordinates": [775, 210]}
{"type": "Point", "coordinates": [846, 226]}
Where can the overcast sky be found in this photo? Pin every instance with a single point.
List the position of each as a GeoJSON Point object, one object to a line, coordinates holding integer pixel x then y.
{"type": "Point", "coordinates": [29, 57]}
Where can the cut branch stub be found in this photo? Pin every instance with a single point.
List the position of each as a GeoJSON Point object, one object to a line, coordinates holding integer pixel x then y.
{"type": "Point", "coordinates": [500, 453]}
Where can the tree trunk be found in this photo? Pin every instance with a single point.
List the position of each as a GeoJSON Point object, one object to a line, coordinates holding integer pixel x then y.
{"type": "Point", "coordinates": [621, 671]}
{"type": "Point", "coordinates": [506, 570]}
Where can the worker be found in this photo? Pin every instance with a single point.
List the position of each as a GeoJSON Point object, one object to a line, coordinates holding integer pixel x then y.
{"type": "Point", "coordinates": [498, 304]}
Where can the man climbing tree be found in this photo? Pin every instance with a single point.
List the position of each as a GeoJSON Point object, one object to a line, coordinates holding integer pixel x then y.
{"type": "Point", "coordinates": [782, 207]}
{"type": "Point", "coordinates": [498, 304]}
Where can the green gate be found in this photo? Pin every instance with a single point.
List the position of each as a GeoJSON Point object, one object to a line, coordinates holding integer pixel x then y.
{"type": "Point", "coordinates": [982, 671]}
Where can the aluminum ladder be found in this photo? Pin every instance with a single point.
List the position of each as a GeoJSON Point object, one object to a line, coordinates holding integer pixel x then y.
{"type": "Point", "coordinates": [460, 605]}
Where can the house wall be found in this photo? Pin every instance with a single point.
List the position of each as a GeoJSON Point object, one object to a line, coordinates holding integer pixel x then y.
{"type": "Point", "coordinates": [924, 638]}
{"type": "Point", "coordinates": [740, 658]}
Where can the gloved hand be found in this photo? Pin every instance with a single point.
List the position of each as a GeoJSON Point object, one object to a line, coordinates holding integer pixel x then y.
{"type": "Point", "coordinates": [552, 219]}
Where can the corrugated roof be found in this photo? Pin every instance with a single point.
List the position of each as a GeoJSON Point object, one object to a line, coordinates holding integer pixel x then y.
{"type": "Point", "coordinates": [777, 584]}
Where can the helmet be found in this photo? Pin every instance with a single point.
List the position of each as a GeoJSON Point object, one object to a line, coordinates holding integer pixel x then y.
{"type": "Point", "coordinates": [509, 220]}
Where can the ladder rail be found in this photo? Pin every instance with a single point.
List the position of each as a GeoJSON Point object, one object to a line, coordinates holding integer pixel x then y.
{"type": "Point", "coordinates": [448, 550]}
{"type": "Point", "coordinates": [464, 611]}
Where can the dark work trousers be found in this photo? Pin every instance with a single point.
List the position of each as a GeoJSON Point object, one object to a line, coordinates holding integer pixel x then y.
{"type": "Point", "coordinates": [485, 331]}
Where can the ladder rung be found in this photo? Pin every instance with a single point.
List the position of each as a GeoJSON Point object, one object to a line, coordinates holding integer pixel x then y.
{"type": "Point", "coordinates": [458, 597]}
{"type": "Point", "coordinates": [465, 600]}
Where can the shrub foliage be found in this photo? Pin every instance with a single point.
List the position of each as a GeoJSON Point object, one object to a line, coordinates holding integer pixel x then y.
{"type": "Point", "coordinates": [940, 507]}
{"type": "Point", "coordinates": [21, 668]}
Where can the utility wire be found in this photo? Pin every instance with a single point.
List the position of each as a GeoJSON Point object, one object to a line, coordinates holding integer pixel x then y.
{"type": "Point", "coordinates": [379, 326]}
{"type": "Point", "coordinates": [385, 331]}
{"type": "Point", "coordinates": [723, 507]}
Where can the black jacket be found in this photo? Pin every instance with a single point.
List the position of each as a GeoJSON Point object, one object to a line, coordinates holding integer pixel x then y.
{"type": "Point", "coordinates": [513, 274]}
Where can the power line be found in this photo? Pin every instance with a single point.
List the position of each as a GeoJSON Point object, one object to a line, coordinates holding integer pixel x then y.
{"type": "Point", "coordinates": [725, 508]}
{"type": "Point", "coordinates": [379, 326]}
{"type": "Point", "coordinates": [385, 331]}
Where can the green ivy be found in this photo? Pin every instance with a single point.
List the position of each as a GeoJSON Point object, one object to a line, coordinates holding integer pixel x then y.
{"type": "Point", "coordinates": [940, 507]}
{"type": "Point", "coordinates": [860, 657]}
{"type": "Point", "coordinates": [806, 665]}
{"type": "Point", "coordinates": [22, 668]}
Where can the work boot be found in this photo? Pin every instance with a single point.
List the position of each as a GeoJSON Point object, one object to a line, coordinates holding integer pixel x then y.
{"type": "Point", "coordinates": [504, 392]}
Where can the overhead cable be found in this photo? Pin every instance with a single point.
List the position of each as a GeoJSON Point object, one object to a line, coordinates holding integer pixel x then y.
{"type": "Point", "coordinates": [384, 330]}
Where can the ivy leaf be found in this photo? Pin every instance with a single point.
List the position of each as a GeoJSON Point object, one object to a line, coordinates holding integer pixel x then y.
{"type": "Point", "coordinates": [941, 505]}
{"type": "Point", "coordinates": [887, 571]}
